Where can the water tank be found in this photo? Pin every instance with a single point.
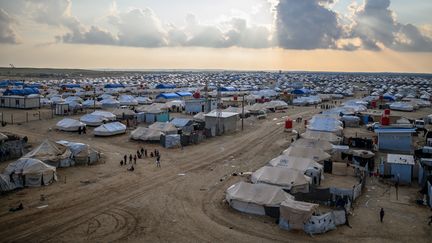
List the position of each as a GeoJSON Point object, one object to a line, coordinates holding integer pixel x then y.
{"type": "Point", "coordinates": [385, 120]}
{"type": "Point", "coordinates": [288, 124]}
{"type": "Point", "coordinates": [196, 95]}
{"type": "Point", "coordinates": [387, 112]}
{"type": "Point", "coordinates": [373, 104]}
{"type": "Point", "coordinates": [235, 97]}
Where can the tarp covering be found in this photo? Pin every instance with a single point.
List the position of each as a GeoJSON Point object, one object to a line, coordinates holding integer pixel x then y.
{"type": "Point", "coordinates": [164, 127]}
{"type": "Point", "coordinates": [91, 104]}
{"type": "Point", "coordinates": [402, 106]}
{"type": "Point", "coordinates": [52, 153]}
{"type": "Point", "coordinates": [105, 114]}
{"type": "Point", "coordinates": [6, 184]}
{"type": "Point", "coordinates": [199, 117]}
{"type": "Point", "coordinates": [325, 123]}
{"type": "Point", "coordinates": [297, 163]}
{"type": "Point", "coordinates": [145, 134]}
{"type": "Point", "coordinates": [69, 125]}
{"type": "Point", "coordinates": [260, 194]}
{"type": "Point", "coordinates": [296, 213]}
{"type": "Point", "coordinates": [110, 129]}
{"type": "Point", "coordinates": [36, 172]}
{"type": "Point", "coordinates": [313, 144]}
{"type": "Point", "coordinates": [282, 176]}
{"type": "Point", "coordinates": [172, 140]}
{"type": "Point", "coordinates": [315, 154]}
{"type": "Point", "coordinates": [127, 100]}
{"type": "Point", "coordinates": [81, 152]}
{"type": "Point", "coordinates": [126, 112]}
{"type": "Point", "coordinates": [331, 137]}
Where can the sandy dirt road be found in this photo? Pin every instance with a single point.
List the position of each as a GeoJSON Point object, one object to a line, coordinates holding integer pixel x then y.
{"type": "Point", "coordinates": [182, 201]}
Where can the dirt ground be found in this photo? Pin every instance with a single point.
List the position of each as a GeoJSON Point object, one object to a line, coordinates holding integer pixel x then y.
{"type": "Point", "coordinates": [183, 200]}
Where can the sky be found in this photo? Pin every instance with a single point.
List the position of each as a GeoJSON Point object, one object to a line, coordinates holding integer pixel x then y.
{"type": "Point", "coordinates": [300, 35]}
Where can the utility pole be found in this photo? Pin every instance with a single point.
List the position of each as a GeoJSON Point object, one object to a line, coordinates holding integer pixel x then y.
{"type": "Point", "coordinates": [94, 97]}
{"type": "Point", "coordinates": [243, 104]}
{"type": "Point", "coordinates": [218, 110]}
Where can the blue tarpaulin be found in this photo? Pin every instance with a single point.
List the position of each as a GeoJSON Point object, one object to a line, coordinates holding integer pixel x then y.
{"type": "Point", "coordinates": [168, 96]}
{"type": "Point", "coordinates": [302, 91]}
{"type": "Point", "coordinates": [227, 89]}
{"type": "Point", "coordinates": [165, 86]}
{"type": "Point", "coordinates": [25, 91]}
{"type": "Point", "coordinates": [184, 94]}
{"type": "Point", "coordinates": [113, 86]}
{"type": "Point", "coordinates": [70, 86]}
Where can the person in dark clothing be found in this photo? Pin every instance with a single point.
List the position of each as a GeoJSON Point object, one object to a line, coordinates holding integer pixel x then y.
{"type": "Point", "coordinates": [130, 158]}
{"type": "Point", "coordinates": [121, 162]}
{"type": "Point", "coordinates": [79, 130]}
{"type": "Point", "coordinates": [142, 150]}
{"type": "Point", "coordinates": [125, 159]}
{"type": "Point", "coordinates": [135, 159]}
{"type": "Point", "coordinates": [84, 129]}
{"type": "Point", "coordinates": [151, 154]}
{"type": "Point", "coordinates": [145, 152]}
{"type": "Point", "coordinates": [382, 215]}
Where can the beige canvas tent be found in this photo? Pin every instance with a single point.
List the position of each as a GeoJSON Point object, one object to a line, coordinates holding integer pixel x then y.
{"type": "Point", "coordinates": [307, 166]}
{"type": "Point", "coordinates": [145, 134]}
{"type": "Point", "coordinates": [165, 127]}
{"type": "Point", "coordinates": [31, 172]}
{"type": "Point", "coordinates": [293, 180]}
{"type": "Point", "coordinates": [315, 154]}
{"type": "Point", "coordinates": [253, 198]}
{"type": "Point", "coordinates": [317, 135]}
{"type": "Point", "coordinates": [296, 213]}
{"type": "Point", "coordinates": [313, 144]}
{"type": "Point", "coordinates": [52, 153]}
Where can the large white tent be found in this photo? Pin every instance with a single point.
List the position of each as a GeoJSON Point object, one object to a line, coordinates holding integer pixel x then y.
{"type": "Point", "coordinates": [253, 198]}
{"type": "Point", "coordinates": [293, 180]}
{"type": "Point", "coordinates": [69, 125]}
{"type": "Point", "coordinates": [145, 134]}
{"type": "Point", "coordinates": [110, 129]}
{"type": "Point", "coordinates": [33, 172]}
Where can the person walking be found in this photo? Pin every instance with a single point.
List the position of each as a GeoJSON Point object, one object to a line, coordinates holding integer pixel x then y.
{"type": "Point", "coordinates": [135, 159]}
{"type": "Point", "coordinates": [382, 215]}
{"type": "Point", "coordinates": [125, 158]}
{"type": "Point", "coordinates": [130, 158]}
{"type": "Point", "coordinates": [121, 162]}
{"type": "Point", "coordinates": [79, 130]}
{"type": "Point", "coordinates": [84, 129]}
{"type": "Point", "coordinates": [142, 150]}
{"type": "Point", "coordinates": [145, 152]}
{"type": "Point", "coordinates": [158, 162]}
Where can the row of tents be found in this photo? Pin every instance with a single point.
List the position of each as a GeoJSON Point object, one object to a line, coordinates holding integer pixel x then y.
{"type": "Point", "coordinates": [38, 167]}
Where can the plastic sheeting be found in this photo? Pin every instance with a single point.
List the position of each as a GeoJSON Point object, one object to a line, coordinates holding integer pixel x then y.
{"type": "Point", "coordinates": [145, 134]}
{"type": "Point", "coordinates": [325, 123]}
{"type": "Point", "coordinates": [51, 153]}
{"type": "Point", "coordinates": [172, 141]}
{"type": "Point", "coordinates": [320, 224]}
{"type": "Point", "coordinates": [296, 213]}
{"type": "Point", "coordinates": [127, 100]}
{"type": "Point", "coordinates": [93, 120]}
{"type": "Point", "coordinates": [401, 106]}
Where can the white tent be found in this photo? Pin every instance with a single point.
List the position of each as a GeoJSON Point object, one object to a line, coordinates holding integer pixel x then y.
{"type": "Point", "coordinates": [110, 103]}
{"type": "Point", "coordinates": [317, 135]}
{"type": "Point", "coordinates": [93, 120]}
{"type": "Point", "coordinates": [110, 129]}
{"type": "Point", "coordinates": [127, 100]}
{"type": "Point", "coordinates": [401, 106]}
{"type": "Point", "coordinates": [145, 134]}
{"type": "Point", "coordinates": [143, 100]}
{"type": "Point", "coordinates": [123, 112]}
{"type": "Point", "coordinates": [313, 144]}
{"type": "Point", "coordinates": [253, 198]}
{"type": "Point", "coordinates": [69, 125]}
{"type": "Point", "coordinates": [308, 166]}
{"type": "Point", "coordinates": [315, 154]}
{"type": "Point", "coordinates": [51, 153]}
{"type": "Point", "coordinates": [325, 123]}
{"type": "Point", "coordinates": [91, 104]}
{"type": "Point", "coordinates": [35, 172]}
{"type": "Point", "coordinates": [105, 114]}
{"type": "Point", "coordinates": [293, 180]}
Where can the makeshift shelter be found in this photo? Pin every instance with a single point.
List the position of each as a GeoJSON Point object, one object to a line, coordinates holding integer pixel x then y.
{"type": "Point", "coordinates": [313, 144]}
{"type": "Point", "coordinates": [292, 180]}
{"type": "Point", "coordinates": [52, 153]}
{"type": "Point", "coordinates": [200, 117]}
{"type": "Point", "coordinates": [350, 121]}
{"type": "Point", "coordinates": [82, 154]}
{"type": "Point", "coordinates": [31, 172]}
{"type": "Point", "coordinates": [164, 127]}
{"type": "Point", "coordinates": [69, 125]}
{"type": "Point", "coordinates": [393, 139]}
{"type": "Point", "coordinates": [317, 135]}
{"type": "Point", "coordinates": [259, 199]}
{"type": "Point", "coordinates": [401, 167]}
{"type": "Point", "coordinates": [171, 140]}
{"type": "Point", "coordinates": [220, 123]}
{"type": "Point", "coordinates": [183, 124]}
{"type": "Point", "coordinates": [91, 104]}
{"type": "Point", "coordinates": [402, 106]}
{"type": "Point", "coordinates": [167, 96]}
{"type": "Point", "coordinates": [165, 86]}
{"type": "Point", "coordinates": [104, 114]}
{"type": "Point", "coordinates": [145, 134]}
{"type": "Point", "coordinates": [110, 129]}
{"type": "Point", "coordinates": [109, 103]}
{"type": "Point", "coordinates": [295, 214]}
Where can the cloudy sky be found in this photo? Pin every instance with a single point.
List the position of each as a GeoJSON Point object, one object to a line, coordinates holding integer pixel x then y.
{"type": "Point", "coordinates": [314, 35]}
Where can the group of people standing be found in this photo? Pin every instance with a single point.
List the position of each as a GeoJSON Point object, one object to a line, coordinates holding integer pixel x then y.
{"type": "Point", "coordinates": [140, 154]}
